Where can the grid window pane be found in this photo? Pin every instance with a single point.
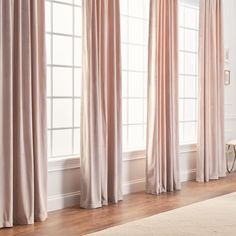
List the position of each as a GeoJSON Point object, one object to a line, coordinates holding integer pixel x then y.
{"type": "Point", "coordinates": [62, 113]}
{"type": "Point", "coordinates": [135, 108]}
{"type": "Point", "coordinates": [62, 81]}
{"type": "Point", "coordinates": [62, 50]}
{"type": "Point", "coordinates": [77, 112]}
{"type": "Point", "coordinates": [62, 142]}
{"type": "Point", "coordinates": [136, 139]}
{"type": "Point", "coordinates": [77, 82]}
{"type": "Point", "coordinates": [76, 141]}
{"type": "Point", "coordinates": [78, 22]}
{"type": "Point", "coordinates": [48, 16]}
{"type": "Point", "coordinates": [63, 39]}
{"type": "Point", "coordinates": [62, 18]}
{"type": "Point", "coordinates": [134, 37]}
{"type": "Point", "coordinates": [188, 70]}
{"type": "Point", "coordinates": [136, 62]}
{"type": "Point", "coordinates": [136, 84]}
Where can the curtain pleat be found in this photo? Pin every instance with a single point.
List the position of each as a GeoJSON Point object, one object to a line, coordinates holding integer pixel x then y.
{"type": "Point", "coordinates": [211, 150]}
{"type": "Point", "coordinates": [23, 152]}
{"type": "Point", "coordinates": [101, 149]}
{"type": "Point", "coordinates": [162, 166]}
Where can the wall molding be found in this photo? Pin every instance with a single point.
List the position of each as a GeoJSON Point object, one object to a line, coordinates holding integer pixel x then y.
{"type": "Point", "coordinates": [60, 164]}
{"type": "Point", "coordinates": [134, 186]}
{"type": "Point", "coordinates": [187, 175]}
{"type": "Point", "coordinates": [230, 117]}
{"type": "Point", "coordinates": [61, 201]}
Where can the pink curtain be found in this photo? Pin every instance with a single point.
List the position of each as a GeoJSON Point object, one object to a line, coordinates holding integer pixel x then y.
{"type": "Point", "coordinates": [211, 157]}
{"type": "Point", "coordinates": [162, 167]}
{"type": "Point", "coordinates": [23, 157]}
{"type": "Point", "coordinates": [101, 149]}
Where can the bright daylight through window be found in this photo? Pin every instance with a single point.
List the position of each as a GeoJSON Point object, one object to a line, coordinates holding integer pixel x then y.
{"type": "Point", "coordinates": [63, 36]}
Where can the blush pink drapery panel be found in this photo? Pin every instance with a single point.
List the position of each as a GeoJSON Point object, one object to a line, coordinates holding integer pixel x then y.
{"type": "Point", "coordinates": [101, 157]}
{"type": "Point", "coordinates": [211, 150]}
{"type": "Point", "coordinates": [23, 156]}
{"type": "Point", "coordinates": [162, 167]}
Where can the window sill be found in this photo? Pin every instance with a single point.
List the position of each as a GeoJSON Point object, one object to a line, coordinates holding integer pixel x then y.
{"type": "Point", "coordinates": [67, 163]}
{"type": "Point", "coordinates": [64, 163]}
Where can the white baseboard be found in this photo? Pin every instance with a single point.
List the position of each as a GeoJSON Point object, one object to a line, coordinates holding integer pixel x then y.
{"type": "Point", "coordinates": [61, 201]}
{"type": "Point", "coordinates": [188, 175]}
{"type": "Point", "coordinates": [134, 186]}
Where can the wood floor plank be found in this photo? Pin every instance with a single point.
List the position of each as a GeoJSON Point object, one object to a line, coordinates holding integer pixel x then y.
{"type": "Point", "coordinates": [75, 221]}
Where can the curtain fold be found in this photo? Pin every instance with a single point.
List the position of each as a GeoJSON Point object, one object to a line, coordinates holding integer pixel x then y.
{"type": "Point", "coordinates": [23, 153]}
{"type": "Point", "coordinates": [162, 166]}
{"type": "Point", "coordinates": [211, 149]}
{"type": "Point", "coordinates": [101, 125]}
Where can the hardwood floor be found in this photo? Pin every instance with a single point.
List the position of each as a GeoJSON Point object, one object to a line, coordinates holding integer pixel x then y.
{"type": "Point", "coordinates": [75, 221]}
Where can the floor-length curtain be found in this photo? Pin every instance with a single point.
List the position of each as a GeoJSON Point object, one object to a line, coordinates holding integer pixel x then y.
{"type": "Point", "coordinates": [211, 157]}
{"type": "Point", "coordinates": [101, 105]}
{"type": "Point", "coordinates": [162, 168]}
{"type": "Point", "coordinates": [23, 157]}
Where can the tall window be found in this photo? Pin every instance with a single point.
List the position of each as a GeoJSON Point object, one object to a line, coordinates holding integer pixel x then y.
{"type": "Point", "coordinates": [134, 38]}
{"type": "Point", "coordinates": [63, 40]}
{"type": "Point", "coordinates": [188, 69]}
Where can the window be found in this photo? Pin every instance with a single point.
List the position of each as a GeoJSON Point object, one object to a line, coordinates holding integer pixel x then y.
{"type": "Point", "coordinates": [134, 39]}
{"type": "Point", "coordinates": [188, 69]}
{"type": "Point", "coordinates": [63, 41]}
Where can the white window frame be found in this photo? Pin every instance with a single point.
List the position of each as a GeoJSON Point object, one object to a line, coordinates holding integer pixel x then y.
{"type": "Point", "coordinates": [50, 97]}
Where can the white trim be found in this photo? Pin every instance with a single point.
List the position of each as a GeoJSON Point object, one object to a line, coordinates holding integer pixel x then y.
{"type": "Point", "coordinates": [61, 201]}
{"type": "Point", "coordinates": [188, 148]}
{"type": "Point", "coordinates": [67, 163]}
{"type": "Point", "coordinates": [134, 186]}
{"type": "Point", "coordinates": [59, 164]}
{"type": "Point", "coordinates": [187, 175]}
{"type": "Point", "coordinates": [230, 117]}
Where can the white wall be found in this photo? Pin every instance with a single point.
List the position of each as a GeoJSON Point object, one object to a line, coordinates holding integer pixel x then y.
{"type": "Point", "coordinates": [63, 186]}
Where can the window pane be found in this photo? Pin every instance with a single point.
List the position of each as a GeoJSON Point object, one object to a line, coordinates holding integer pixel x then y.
{"type": "Point", "coordinates": [190, 109]}
{"type": "Point", "coordinates": [62, 142]}
{"type": "Point", "coordinates": [62, 81]}
{"type": "Point", "coordinates": [48, 48]}
{"type": "Point", "coordinates": [78, 22]}
{"type": "Point", "coordinates": [76, 141]}
{"type": "Point", "coordinates": [62, 50]}
{"type": "Point", "coordinates": [124, 29]}
{"type": "Point", "coordinates": [136, 8]}
{"type": "Point", "coordinates": [135, 31]}
{"type": "Point", "coordinates": [135, 111]}
{"type": "Point", "coordinates": [135, 137]}
{"type": "Point", "coordinates": [48, 16]}
{"type": "Point", "coordinates": [77, 112]}
{"type": "Point", "coordinates": [64, 31]}
{"type": "Point", "coordinates": [124, 56]}
{"type": "Point", "coordinates": [49, 85]}
{"type": "Point", "coordinates": [188, 70]}
{"type": "Point", "coordinates": [124, 111]}
{"type": "Point", "coordinates": [136, 84]}
{"type": "Point", "coordinates": [77, 82]}
{"type": "Point", "coordinates": [49, 109]}
{"type": "Point", "coordinates": [190, 132]}
{"type": "Point", "coordinates": [77, 52]}
{"type": "Point", "coordinates": [62, 113]}
{"type": "Point", "coordinates": [124, 7]}
{"type": "Point", "coordinates": [62, 18]}
{"type": "Point", "coordinates": [135, 58]}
